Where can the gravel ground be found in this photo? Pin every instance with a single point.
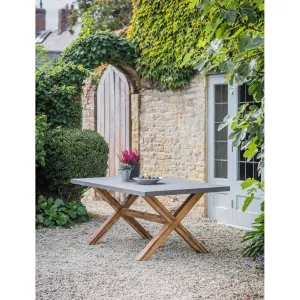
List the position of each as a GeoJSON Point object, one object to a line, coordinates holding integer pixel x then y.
{"type": "Point", "coordinates": [68, 268]}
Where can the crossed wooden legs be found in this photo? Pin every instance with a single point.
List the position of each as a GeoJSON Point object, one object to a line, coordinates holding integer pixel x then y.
{"type": "Point", "coordinates": [171, 222]}
{"type": "Point", "coordinates": [99, 234]}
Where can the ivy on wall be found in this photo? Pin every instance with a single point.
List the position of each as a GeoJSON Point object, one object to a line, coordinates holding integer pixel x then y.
{"type": "Point", "coordinates": [165, 32]}
{"type": "Point", "coordinates": [59, 83]}
{"type": "Point", "coordinates": [92, 50]}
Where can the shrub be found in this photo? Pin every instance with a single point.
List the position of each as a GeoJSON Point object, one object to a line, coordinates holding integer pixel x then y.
{"type": "Point", "coordinates": [256, 237]}
{"type": "Point", "coordinates": [58, 91]}
{"type": "Point", "coordinates": [71, 153]}
{"type": "Point", "coordinates": [55, 212]}
{"type": "Point", "coordinates": [41, 126]}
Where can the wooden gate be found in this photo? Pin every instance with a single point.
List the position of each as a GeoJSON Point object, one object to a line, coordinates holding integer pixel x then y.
{"type": "Point", "coordinates": [113, 114]}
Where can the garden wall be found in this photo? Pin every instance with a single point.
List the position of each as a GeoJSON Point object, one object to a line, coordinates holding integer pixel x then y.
{"type": "Point", "coordinates": [168, 128]}
{"type": "Point", "coordinates": [173, 132]}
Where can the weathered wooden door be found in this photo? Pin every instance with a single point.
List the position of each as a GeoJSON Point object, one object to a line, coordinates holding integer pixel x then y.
{"type": "Point", "coordinates": [113, 114]}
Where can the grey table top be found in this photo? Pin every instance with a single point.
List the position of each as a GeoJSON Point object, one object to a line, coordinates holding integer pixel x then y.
{"type": "Point", "coordinates": [167, 186]}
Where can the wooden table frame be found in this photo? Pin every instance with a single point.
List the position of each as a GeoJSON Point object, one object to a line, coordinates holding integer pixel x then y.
{"type": "Point", "coordinates": [171, 221]}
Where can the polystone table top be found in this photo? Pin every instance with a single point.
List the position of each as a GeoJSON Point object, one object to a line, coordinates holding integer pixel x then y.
{"type": "Point", "coordinates": [166, 186]}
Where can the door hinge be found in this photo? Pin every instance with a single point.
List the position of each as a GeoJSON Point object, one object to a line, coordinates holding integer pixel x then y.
{"type": "Point", "coordinates": [231, 203]}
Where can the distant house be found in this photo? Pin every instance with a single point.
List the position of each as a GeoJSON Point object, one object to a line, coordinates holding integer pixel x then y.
{"type": "Point", "coordinates": [58, 39]}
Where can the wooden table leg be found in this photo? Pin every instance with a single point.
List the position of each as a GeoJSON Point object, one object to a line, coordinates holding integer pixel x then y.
{"type": "Point", "coordinates": [173, 223]}
{"type": "Point", "coordinates": [104, 228]}
{"type": "Point", "coordinates": [116, 206]}
{"type": "Point", "coordinates": [180, 229]}
{"type": "Point", "coordinates": [115, 217]}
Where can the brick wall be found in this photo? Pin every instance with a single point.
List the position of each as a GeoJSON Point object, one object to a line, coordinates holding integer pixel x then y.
{"type": "Point", "coordinates": [40, 19]}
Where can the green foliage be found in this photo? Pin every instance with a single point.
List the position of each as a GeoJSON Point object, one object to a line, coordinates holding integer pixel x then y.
{"type": "Point", "coordinates": [233, 44]}
{"type": "Point", "coordinates": [42, 54]}
{"type": "Point", "coordinates": [125, 167]}
{"type": "Point", "coordinates": [106, 14]}
{"type": "Point", "coordinates": [41, 126]}
{"type": "Point", "coordinates": [55, 212]}
{"type": "Point", "coordinates": [166, 33]}
{"type": "Point", "coordinates": [71, 153]}
{"type": "Point", "coordinates": [87, 24]}
{"type": "Point", "coordinates": [95, 49]}
{"type": "Point", "coordinates": [58, 93]}
{"type": "Point", "coordinates": [59, 85]}
{"type": "Point", "coordinates": [248, 131]}
{"type": "Point", "coordinates": [255, 238]}
{"type": "Point", "coordinates": [72, 19]}
{"type": "Point", "coordinates": [252, 186]}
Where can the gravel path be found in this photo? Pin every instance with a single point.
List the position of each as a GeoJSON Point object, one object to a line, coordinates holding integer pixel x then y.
{"type": "Point", "coordinates": [68, 268]}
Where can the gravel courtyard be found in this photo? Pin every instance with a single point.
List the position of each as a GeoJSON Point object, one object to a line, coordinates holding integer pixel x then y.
{"type": "Point", "coordinates": [68, 268]}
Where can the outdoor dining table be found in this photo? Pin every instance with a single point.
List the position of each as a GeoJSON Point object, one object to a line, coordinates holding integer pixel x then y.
{"type": "Point", "coordinates": [167, 186]}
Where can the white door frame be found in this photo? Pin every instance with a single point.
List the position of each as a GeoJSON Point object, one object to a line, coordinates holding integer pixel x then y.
{"type": "Point", "coordinates": [212, 80]}
{"type": "Point", "coordinates": [216, 204]}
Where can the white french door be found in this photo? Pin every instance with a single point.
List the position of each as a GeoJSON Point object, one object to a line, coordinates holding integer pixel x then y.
{"type": "Point", "coordinates": [226, 165]}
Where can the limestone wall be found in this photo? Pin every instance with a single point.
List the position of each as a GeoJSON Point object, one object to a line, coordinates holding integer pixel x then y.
{"type": "Point", "coordinates": [168, 128]}
{"type": "Point", "coordinates": [173, 132]}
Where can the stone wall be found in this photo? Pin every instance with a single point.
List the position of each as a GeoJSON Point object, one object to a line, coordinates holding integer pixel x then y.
{"type": "Point", "coordinates": [135, 121]}
{"type": "Point", "coordinates": [89, 101]}
{"type": "Point", "coordinates": [173, 132]}
{"type": "Point", "coordinates": [168, 128]}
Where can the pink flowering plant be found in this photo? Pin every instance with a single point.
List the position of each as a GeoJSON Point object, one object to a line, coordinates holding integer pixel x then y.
{"type": "Point", "coordinates": [129, 156]}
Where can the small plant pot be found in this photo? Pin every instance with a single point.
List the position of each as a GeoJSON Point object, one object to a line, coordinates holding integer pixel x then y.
{"type": "Point", "coordinates": [125, 175]}
{"type": "Point", "coordinates": [135, 171]}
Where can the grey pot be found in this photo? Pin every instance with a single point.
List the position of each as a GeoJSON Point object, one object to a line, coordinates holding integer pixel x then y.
{"type": "Point", "coordinates": [135, 171]}
{"type": "Point", "coordinates": [125, 175]}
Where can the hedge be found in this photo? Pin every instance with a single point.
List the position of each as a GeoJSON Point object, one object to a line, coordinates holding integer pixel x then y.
{"type": "Point", "coordinates": [71, 153]}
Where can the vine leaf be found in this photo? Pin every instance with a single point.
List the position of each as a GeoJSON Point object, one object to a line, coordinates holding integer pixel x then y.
{"type": "Point", "coordinates": [247, 10]}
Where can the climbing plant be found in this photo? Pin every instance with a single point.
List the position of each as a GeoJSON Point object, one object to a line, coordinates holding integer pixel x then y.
{"type": "Point", "coordinates": [233, 43]}
{"type": "Point", "coordinates": [165, 32]}
{"type": "Point", "coordinates": [92, 50]}
{"type": "Point", "coordinates": [59, 84]}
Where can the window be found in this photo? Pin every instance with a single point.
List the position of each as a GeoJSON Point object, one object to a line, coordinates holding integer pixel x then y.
{"type": "Point", "coordinates": [246, 169]}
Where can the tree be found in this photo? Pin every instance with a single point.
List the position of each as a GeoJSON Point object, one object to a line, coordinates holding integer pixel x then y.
{"type": "Point", "coordinates": [105, 14]}
{"type": "Point", "coordinates": [233, 43]}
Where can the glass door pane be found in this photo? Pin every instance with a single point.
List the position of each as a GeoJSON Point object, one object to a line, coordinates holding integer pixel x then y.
{"type": "Point", "coordinates": [220, 137]}
{"type": "Point", "coordinates": [246, 169]}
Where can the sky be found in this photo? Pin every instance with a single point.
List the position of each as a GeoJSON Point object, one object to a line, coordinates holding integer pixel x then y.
{"type": "Point", "coordinates": [52, 7]}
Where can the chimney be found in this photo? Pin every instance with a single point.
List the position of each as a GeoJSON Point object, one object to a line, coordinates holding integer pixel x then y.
{"type": "Point", "coordinates": [63, 15]}
{"type": "Point", "coordinates": [40, 19]}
